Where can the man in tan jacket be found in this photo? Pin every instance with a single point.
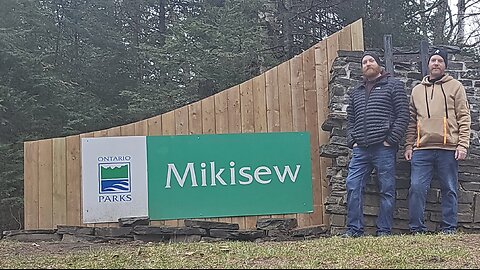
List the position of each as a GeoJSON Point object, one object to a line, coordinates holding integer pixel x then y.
{"type": "Point", "coordinates": [437, 137]}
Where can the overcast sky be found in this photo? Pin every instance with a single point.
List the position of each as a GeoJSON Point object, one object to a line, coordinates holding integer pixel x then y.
{"type": "Point", "coordinates": [472, 22]}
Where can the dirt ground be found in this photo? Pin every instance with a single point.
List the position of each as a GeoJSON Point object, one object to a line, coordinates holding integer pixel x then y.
{"type": "Point", "coordinates": [9, 248]}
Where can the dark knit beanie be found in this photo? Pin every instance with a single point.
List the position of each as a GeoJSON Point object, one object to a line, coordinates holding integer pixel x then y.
{"type": "Point", "coordinates": [374, 55]}
{"type": "Point", "coordinates": [442, 53]}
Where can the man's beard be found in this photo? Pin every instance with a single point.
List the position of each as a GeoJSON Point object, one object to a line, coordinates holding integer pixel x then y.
{"type": "Point", "coordinates": [371, 72]}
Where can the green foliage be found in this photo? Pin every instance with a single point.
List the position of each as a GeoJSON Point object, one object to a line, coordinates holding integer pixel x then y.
{"type": "Point", "coordinates": [73, 66]}
{"type": "Point", "coordinates": [11, 186]}
{"type": "Point", "coordinates": [383, 17]}
{"type": "Point", "coordinates": [206, 50]}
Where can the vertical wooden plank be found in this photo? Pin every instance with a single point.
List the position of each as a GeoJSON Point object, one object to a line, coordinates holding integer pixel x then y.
{"type": "Point", "coordinates": [311, 125]}
{"type": "Point", "coordinates": [311, 120]}
{"type": "Point", "coordinates": [208, 115]}
{"type": "Point", "coordinates": [208, 121]}
{"type": "Point", "coordinates": [319, 216]}
{"type": "Point", "coordinates": [115, 131]}
{"type": "Point", "coordinates": [234, 126]}
{"type": "Point", "coordinates": [168, 128]}
{"type": "Point", "coordinates": [309, 75]}
{"type": "Point", "coordinates": [298, 104]}
{"type": "Point", "coordinates": [259, 104]}
{"type": "Point", "coordinates": [45, 185]}
{"type": "Point", "coordinates": [322, 80]}
{"type": "Point", "coordinates": [273, 106]}
{"type": "Point", "coordinates": [285, 97]}
{"type": "Point", "coordinates": [221, 113]}
{"type": "Point", "coordinates": [59, 182]}
{"type": "Point", "coordinates": [127, 130]}
{"type": "Point", "coordinates": [248, 126]}
{"type": "Point", "coordinates": [195, 118]}
{"type": "Point", "coordinates": [298, 96]}
{"type": "Point", "coordinates": [332, 49]}
{"type": "Point", "coordinates": [221, 124]}
{"type": "Point", "coordinates": [181, 121]}
{"type": "Point", "coordinates": [423, 56]}
{"type": "Point", "coordinates": [87, 135]}
{"type": "Point", "coordinates": [388, 53]}
{"type": "Point", "coordinates": [246, 106]}
{"type": "Point", "coordinates": [181, 128]}
{"type": "Point", "coordinates": [234, 114]}
{"type": "Point", "coordinates": [311, 113]}
{"type": "Point", "coordinates": [30, 185]}
{"type": "Point", "coordinates": [345, 39]}
{"type": "Point", "coordinates": [168, 123]}
{"type": "Point", "coordinates": [141, 128]}
{"type": "Point", "coordinates": [74, 181]}
{"type": "Point", "coordinates": [100, 133]}
{"type": "Point", "coordinates": [357, 35]}
{"type": "Point", "coordinates": [260, 110]}
{"type": "Point", "coordinates": [154, 126]}
{"type": "Point", "coordinates": [92, 135]}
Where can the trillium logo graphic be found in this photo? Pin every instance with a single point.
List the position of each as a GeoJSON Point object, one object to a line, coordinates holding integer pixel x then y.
{"type": "Point", "coordinates": [114, 177]}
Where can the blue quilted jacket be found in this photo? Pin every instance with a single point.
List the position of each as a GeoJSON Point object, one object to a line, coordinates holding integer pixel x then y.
{"type": "Point", "coordinates": [379, 116]}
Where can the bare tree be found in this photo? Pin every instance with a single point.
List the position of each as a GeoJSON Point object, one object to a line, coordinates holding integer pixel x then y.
{"type": "Point", "coordinates": [423, 19]}
{"type": "Point", "coordinates": [461, 21]}
{"type": "Point", "coordinates": [463, 27]}
{"type": "Point", "coordinates": [440, 19]}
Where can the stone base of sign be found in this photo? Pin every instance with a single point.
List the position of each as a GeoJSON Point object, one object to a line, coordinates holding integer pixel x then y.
{"type": "Point", "coordinates": [268, 229]}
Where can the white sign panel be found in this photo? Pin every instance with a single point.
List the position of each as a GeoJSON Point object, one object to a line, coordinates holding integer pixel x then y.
{"type": "Point", "coordinates": [114, 178]}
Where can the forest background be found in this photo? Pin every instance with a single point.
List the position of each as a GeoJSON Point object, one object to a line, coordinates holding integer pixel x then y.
{"type": "Point", "coordinates": [74, 66]}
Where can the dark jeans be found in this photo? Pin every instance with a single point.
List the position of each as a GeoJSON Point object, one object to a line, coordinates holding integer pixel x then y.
{"type": "Point", "coordinates": [424, 162]}
{"type": "Point", "coordinates": [364, 160]}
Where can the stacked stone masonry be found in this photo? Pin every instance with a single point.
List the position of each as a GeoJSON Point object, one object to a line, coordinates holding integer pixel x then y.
{"type": "Point", "coordinates": [137, 229]}
{"type": "Point", "coordinates": [346, 73]}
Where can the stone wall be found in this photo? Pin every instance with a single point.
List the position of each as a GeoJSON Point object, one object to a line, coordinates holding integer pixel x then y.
{"type": "Point", "coordinates": [137, 229]}
{"type": "Point", "coordinates": [347, 73]}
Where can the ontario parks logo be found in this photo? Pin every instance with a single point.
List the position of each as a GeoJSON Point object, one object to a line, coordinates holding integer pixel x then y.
{"type": "Point", "coordinates": [114, 179]}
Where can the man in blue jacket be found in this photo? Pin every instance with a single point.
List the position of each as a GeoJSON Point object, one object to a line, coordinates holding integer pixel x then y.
{"type": "Point", "coordinates": [377, 117]}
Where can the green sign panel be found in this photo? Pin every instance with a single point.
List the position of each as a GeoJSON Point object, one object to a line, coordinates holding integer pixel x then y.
{"type": "Point", "coordinates": [228, 175]}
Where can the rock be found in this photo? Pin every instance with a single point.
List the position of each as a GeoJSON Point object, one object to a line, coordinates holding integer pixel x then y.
{"type": "Point", "coordinates": [276, 223]}
{"type": "Point", "coordinates": [210, 224]}
{"type": "Point", "coordinates": [133, 221]}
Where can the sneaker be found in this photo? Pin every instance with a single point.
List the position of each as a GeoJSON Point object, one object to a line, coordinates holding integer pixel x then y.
{"type": "Point", "coordinates": [448, 232]}
{"type": "Point", "coordinates": [383, 234]}
{"type": "Point", "coordinates": [418, 232]}
{"type": "Point", "coordinates": [350, 234]}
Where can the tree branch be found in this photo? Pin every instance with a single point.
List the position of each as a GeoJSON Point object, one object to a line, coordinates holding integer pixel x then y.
{"type": "Point", "coordinates": [430, 9]}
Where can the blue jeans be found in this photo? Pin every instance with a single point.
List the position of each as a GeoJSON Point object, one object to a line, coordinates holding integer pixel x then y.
{"type": "Point", "coordinates": [364, 160]}
{"type": "Point", "coordinates": [424, 162]}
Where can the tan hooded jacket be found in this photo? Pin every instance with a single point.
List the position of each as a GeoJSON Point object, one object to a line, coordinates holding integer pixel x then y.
{"type": "Point", "coordinates": [439, 115]}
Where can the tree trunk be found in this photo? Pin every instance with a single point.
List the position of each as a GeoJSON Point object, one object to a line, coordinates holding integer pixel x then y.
{"type": "Point", "coordinates": [162, 25]}
{"type": "Point", "coordinates": [284, 8]}
{"type": "Point", "coordinates": [461, 7]}
{"type": "Point", "coordinates": [440, 19]}
{"type": "Point", "coordinates": [423, 20]}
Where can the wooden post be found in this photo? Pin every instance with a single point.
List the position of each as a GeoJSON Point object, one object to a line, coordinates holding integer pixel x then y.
{"type": "Point", "coordinates": [423, 56]}
{"type": "Point", "coordinates": [388, 56]}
